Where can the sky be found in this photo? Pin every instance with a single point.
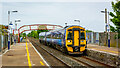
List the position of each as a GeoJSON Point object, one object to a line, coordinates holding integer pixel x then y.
{"type": "Point", "coordinates": [58, 12]}
{"type": "Point", "coordinates": [56, 0]}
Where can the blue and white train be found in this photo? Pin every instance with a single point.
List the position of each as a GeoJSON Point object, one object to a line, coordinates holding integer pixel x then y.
{"type": "Point", "coordinates": [71, 40]}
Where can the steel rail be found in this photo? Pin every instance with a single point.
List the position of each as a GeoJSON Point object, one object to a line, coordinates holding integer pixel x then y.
{"type": "Point", "coordinates": [80, 61]}
{"type": "Point", "coordinates": [51, 54]}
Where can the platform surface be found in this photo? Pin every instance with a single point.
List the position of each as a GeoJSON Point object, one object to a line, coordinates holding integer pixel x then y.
{"type": "Point", "coordinates": [108, 50]}
{"type": "Point", "coordinates": [23, 54]}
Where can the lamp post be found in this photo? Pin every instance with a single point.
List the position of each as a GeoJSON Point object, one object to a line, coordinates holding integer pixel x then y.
{"type": "Point", "coordinates": [16, 29]}
{"type": "Point", "coordinates": [77, 21]}
{"type": "Point", "coordinates": [9, 12]}
{"type": "Point", "coordinates": [107, 26]}
{"type": "Point", "coordinates": [65, 24]}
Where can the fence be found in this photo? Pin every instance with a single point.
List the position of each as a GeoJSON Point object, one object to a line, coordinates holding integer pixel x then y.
{"type": "Point", "coordinates": [4, 41]}
{"type": "Point", "coordinates": [102, 39]}
{"type": "Point", "coordinates": [93, 37]}
{"type": "Point", "coordinates": [0, 42]}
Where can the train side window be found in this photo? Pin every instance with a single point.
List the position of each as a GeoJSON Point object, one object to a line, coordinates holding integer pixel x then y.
{"type": "Point", "coordinates": [69, 36]}
{"type": "Point", "coordinates": [49, 36]}
{"type": "Point", "coordinates": [58, 36]}
{"type": "Point", "coordinates": [82, 35]}
{"type": "Point", "coordinates": [55, 36]}
{"type": "Point", "coordinates": [61, 36]}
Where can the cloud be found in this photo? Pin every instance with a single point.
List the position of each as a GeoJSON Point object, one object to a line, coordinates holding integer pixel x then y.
{"type": "Point", "coordinates": [1, 13]}
{"type": "Point", "coordinates": [58, 13]}
{"type": "Point", "coordinates": [56, 0]}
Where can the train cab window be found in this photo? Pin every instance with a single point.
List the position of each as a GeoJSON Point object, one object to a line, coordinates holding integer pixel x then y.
{"type": "Point", "coordinates": [82, 35]}
{"type": "Point", "coordinates": [69, 36]}
{"type": "Point", "coordinates": [49, 36]}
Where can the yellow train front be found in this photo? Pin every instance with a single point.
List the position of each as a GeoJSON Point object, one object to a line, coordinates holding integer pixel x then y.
{"type": "Point", "coordinates": [75, 39]}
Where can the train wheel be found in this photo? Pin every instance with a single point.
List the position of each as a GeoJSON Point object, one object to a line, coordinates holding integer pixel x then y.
{"type": "Point", "coordinates": [54, 45]}
{"type": "Point", "coordinates": [62, 49]}
{"type": "Point", "coordinates": [49, 44]}
{"type": "Point", "coordinates": [57, 47]}
{"type": "Point", "coordinates": [45, 44]}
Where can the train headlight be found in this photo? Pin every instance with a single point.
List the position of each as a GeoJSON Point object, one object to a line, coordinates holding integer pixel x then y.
{"type": "Point", "coordinates": [69, 41]}
{"type": "Point", "coordinates": [82, 41]}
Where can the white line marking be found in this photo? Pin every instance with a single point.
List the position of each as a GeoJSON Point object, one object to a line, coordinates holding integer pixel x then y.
{"type": "Point", "coordinates": [40, 56]}
{"type": "Point", "coordinates": [103, 52]}
{"type": "Point", "coordinates": [6, 50]}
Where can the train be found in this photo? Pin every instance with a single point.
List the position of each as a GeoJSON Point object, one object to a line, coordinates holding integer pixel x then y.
{"type": "Point", "coordinates": [70, 40]}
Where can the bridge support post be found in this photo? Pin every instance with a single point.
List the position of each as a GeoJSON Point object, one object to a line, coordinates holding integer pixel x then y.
{"type": "Point", "coordinates": [18, 36]}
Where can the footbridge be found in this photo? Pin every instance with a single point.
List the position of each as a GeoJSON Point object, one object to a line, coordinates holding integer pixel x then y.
{"type": "Point", "coordinates": [36, 27]}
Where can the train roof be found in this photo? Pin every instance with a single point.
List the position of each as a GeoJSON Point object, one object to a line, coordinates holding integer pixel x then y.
{"type": "Point", "coordinates": [42, 34]}
{"type": "Point", "coordinates": [64, 28]}
{"type": "Point", "coordinates": [57, 30]}
{"type": "Point", "coordinates": [72, 25]}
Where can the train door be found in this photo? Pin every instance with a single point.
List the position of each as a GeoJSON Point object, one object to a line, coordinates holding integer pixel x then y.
{"type": "Point", "coordinates": [76, 39]}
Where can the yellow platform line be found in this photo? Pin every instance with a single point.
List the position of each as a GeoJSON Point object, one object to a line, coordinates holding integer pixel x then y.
{"type": "Point", "coordinates": [28, 57]}
{"type": "Point", "coordinates": [106, 50]}
{"type": "Point", "coordinates": [41, 63]}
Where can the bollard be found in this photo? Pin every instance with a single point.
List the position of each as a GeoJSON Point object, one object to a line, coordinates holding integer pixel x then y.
{"type": "Point", "coordinates": [108, 42]}
{"type": "Point", "coordinates": [15, 41]}
{"type": "Point", "coordinates": [8, 45]}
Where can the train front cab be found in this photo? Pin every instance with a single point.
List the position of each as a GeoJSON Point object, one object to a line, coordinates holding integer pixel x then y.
{"type": "Point", "coordinates": [75, 40]}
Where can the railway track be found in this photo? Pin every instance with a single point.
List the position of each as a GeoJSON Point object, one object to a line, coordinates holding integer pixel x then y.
{"type": "Point", "coordinates": [84, 64]}
{"type": "Point", "coordinates": [90, 62]}
{"type": "Point", "coordinates": [64, 64]}
{"type": "Point", "coordinates": [83, 60]}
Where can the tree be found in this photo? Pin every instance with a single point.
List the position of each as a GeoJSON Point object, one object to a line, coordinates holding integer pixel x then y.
{"type": "Point", "coordinates": [23, 35]}
{"type": "Point", "coordinates": [39, 31]}
{"type": "Point", "coordinates": [89, 31]}
{"type": "Point", "coordinates": [29, 34]}
{"type": "Point", "coordinates": [35, 34]}
{"type": "Point", "coordinates": [116, 18]}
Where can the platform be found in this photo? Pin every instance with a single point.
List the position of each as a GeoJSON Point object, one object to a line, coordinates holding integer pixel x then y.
{"type": "Point", "coordinates": [104, 54]}
{"type": "Point", "coordinates": [23, 54]}
{"type": "Point", "coordinates": [108, 50]}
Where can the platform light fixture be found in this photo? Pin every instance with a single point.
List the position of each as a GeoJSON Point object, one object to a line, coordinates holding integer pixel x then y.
{"type": "Point", "coordinates": [17, 20]}
{"type": "Point", "coordinates": [9, 12]}
{"type": "Point", "coordinates": [65, 24]}
{"type": "Point", "coordinates": [107, 25]}
{"type": "Point", "coordinates": [77, 21]}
